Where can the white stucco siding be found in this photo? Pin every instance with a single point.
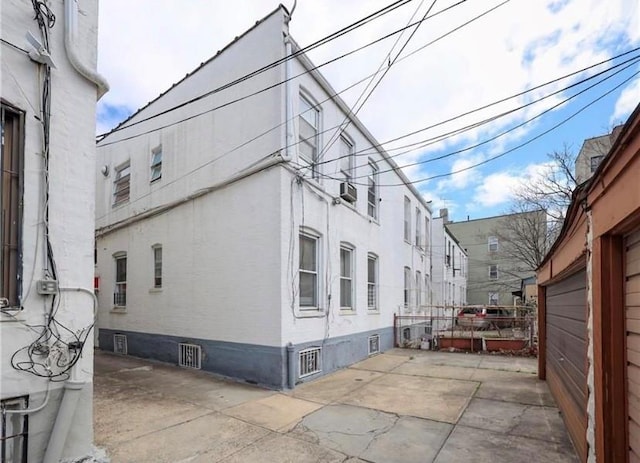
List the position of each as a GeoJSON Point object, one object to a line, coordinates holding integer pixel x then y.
{"type": "Point", "coordinates": [221, 267]}
{"type": "Point", "coordinates": [190, 147]}
{"type": "Point", "coordinates": [71, 207]}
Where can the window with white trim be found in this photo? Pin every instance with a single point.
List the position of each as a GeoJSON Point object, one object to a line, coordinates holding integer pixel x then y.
{"type": "Point", "coordinates": [427, 234]}
{"type": "Point", "coordinates": [407, 286]}
{"type": "Point", "coordinates": [418, 228]}
{"type": "Point", "coordinates": [120, 293]}
{"type": "Point", "coordinates": [156, 164]}
{"type": "Point", "coordinates": [346, 278]}
{"type": "Point", "coordinates": [157, 266]}
{"type": "Point", "coordinates": [493, 271]}
{"type": "Point", "coordinates": [372, 282]}
{"type": "Point", "coordinates": [493, 298]}
{"type": "Point", "coordinates": [121, 184]}
{"type": "Point", "coordinates": [347, 159]}
{"type": "Point", "coordinates": [308, 134]}
{"type": "Point", "coordinates": [372, 190]}
{"type": "Point", "coordinates": [493, 243]}
{"type": "Point", "coordinates": [308, 273]}
{"type": "Point", "coordinates": [407, 219]}
{"type": "Point", "coordinates": [418, 289]}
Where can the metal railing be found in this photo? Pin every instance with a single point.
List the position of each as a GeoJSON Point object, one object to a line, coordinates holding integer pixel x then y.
{"type": "Point", "coordinates": [471, 328]}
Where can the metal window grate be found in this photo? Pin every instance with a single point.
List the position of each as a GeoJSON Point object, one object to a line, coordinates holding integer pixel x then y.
{"type": "Point", "coordinates": [189, 355]}
{"type": "Point", "coordinates": [374, 344]}
{"type": "Point", "coordinates": [14, 431]}
{"type": "Point", "coordinates": [120, 344]}
{"type": "Point", "coordinates": [310, 361]}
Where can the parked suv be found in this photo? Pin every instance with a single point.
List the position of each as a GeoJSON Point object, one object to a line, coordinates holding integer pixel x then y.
{"type": "Point", "coordinates": [485, 317]}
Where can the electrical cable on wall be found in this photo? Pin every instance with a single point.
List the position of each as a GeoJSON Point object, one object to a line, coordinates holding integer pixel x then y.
{"type": "Point", "coordinates": [57, 349]}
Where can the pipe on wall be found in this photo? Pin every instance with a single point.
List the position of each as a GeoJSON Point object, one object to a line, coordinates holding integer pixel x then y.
{"type": "Point", "coordinates": [291, 366]}
{"type": "Point", "coordinates": [64, 419]}
{"type": "Point", "coordinates": [70, 24]}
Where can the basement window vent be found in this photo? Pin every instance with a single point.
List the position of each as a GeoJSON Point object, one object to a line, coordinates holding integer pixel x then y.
{"type": "Point", "coordinates": [374, 344]}
{"type": "Point", "coordinates": [120, 344]}
{"type": "Point", "coordinates": [310, 361]}
{"type": "Point", "coordinates": [189, 355]}
{"type": "Point", "coordinates": [14, 431]}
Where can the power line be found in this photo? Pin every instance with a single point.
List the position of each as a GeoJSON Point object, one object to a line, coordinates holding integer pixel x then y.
{"type": "Point", "coordinates": [628, 63]}
{"type": "Point", "coordinates": [527, 142]}
{"type": "Point", "coordinates": [334, 35]}
{"type": "Point", "coordinates": [429, 141]}
{"type": "Point", "coordinates": [270, 87]}
{"type": "Point", "coordinates": [350, 114]}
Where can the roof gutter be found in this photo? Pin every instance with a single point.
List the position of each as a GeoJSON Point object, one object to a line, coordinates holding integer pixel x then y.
{"type": "Point", "coordinates": [70, 26]}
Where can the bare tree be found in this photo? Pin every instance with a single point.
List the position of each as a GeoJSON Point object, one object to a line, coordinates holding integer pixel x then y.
{"type": "Point", "coordinates": [525, 236]}
{"type": "Point", "coordinates": [550, 191]}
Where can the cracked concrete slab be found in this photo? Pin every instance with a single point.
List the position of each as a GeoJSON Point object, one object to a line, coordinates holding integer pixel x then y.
{"type": "Point", "coordinates": [409, 440]}
{"type": "Point", "coordinates": [394, 396]}
{"type": "Point", "coordinates": [147, 411]}
{"type": "Point", "coordinates": [544, 423]}
{"type": "Point", "coordinates": [276, 412]}
{"type": "Point", "coordinates": [483, 446]}
{"type": "Point", "coordinates": [344, 428]}
{"type": "Point", "coordinates": [382, 363]}
{"type": "Point", "coordinates": [527, 390]}
{"type": "Point", "coordinates": [434, 371]}
{"type": "Point", "coordinates": [428, 385]}
{"type": "Point", "coordinates": [283, 449]}
{"type": "Point", "coordinates": [215, 434]}
{"type": "Point", "coordinates": [335, 386]}
{"type": "Point", "coordinates": [123, 412]}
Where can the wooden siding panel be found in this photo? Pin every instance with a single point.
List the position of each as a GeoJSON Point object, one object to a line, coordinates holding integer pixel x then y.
{"type": "Point", "coordinates": [574, 419]}
{"type": "Point", "coordinates": [632, 313]}
{"type": "Point", "coordinates": [566, 353]}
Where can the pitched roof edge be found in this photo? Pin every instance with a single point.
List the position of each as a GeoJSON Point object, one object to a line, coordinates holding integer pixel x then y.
{"type": "Point", "coordinates": [121, 125]}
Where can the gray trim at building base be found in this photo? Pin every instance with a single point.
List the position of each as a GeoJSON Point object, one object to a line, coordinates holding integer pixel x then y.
{"type": "Point", "coordinates": [255, 364]}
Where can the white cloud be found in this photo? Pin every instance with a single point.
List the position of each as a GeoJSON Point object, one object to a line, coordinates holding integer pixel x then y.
{"type": "Point", "coordinates": [147, 45]}
{"type": "Point", "coordinates": [496, 189]}
{"type": "Point", "coordinates": [628, 100]}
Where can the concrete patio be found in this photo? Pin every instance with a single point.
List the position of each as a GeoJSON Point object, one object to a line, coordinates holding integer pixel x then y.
{"type": "Point", "coordinates": [401, 406]}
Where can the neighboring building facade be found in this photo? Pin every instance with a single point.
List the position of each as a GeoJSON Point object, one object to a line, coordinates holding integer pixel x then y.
{"type": "Point", "coordinates": [589, 308]}
{"type": "Point", "coordinates": [47, 229]}
{"type": "Point", "coordinates": [449, 261]}
{"type": "Point", "coordinates": [270, 258]}
{"type": "Point", "coordinates": [494, 271]}
{"type": "Point", "coordinates": [592, 152]}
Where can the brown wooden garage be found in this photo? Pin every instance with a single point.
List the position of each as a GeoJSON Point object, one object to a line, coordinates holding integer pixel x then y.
{"type": "Point", "coordinates": [601, 232]}
{"type": "Point", "coordinates": [566, 360]}
{"type": "Point", "coordinates": [632, 313]}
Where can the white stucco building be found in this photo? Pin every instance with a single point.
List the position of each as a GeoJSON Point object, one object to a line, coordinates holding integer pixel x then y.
{"type": "Point", "coordinates": [450, 265]}
{"type": "Point", "coordinates": [46, 263]}
{"type": "Point", "coordinates": [244, 233]}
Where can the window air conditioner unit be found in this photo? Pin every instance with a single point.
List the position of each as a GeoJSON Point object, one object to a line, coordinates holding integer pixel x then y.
{"type": "Point", "coordinates": [348, 192]}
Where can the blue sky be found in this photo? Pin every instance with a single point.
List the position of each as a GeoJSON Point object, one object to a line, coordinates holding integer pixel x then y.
{"type": "Point", "coordinates": [520, 44]}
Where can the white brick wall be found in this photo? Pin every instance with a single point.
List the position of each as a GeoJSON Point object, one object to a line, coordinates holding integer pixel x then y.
{"type": "Point", "coordinates": [71, 206]}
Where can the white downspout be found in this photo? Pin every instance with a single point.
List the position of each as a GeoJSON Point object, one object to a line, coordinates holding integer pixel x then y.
{"type": "Point", "coordinates": [70, 26]}
{"type": "Point", "coordinates": [288, 72]}
{"type": "Point", "coordinates": [72, 393]}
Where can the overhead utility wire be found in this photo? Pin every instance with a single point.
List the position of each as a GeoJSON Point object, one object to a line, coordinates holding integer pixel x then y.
{"type": "Point", "coordinates": [334, 35]}
{"type": "Point", "coordinates": [277, 84]}
{"type": "Point", "coordinates": [468, 148]}
{"type": "Point", "coordinates": [447, 135]}
{"type": "Point", "coordinates": [380, 145]}
{"type": "Point", "coordinates": [352, 113]}
{"type": "Point", "coordinates": [527, 142]}
{"type": "Point", "coordinates": [330, 98]}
